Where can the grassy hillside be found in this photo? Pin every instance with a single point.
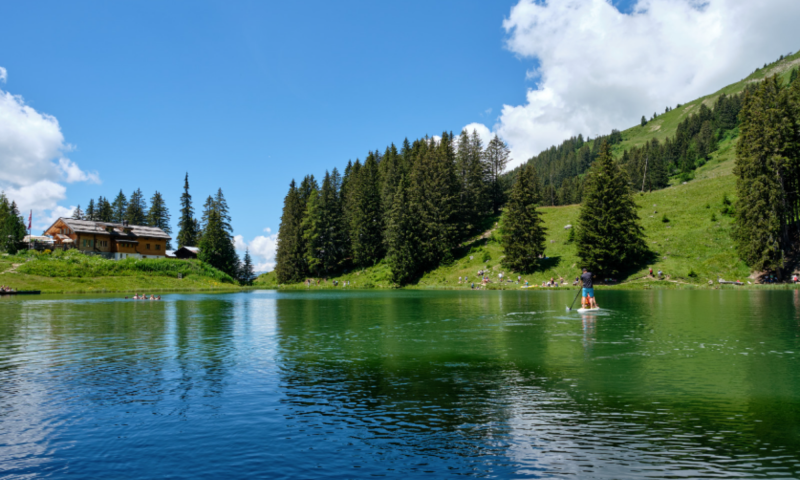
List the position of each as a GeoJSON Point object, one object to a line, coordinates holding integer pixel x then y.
{"type": "Point", "coordinates": [77, 273]}
{"type": "Point", "coordinates": [696, 240]}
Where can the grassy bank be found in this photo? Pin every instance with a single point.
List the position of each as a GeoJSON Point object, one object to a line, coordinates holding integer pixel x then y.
{"type": "Point", "coordinates": [74, 272]}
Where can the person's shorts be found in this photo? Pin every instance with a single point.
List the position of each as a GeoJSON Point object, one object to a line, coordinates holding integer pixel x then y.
{"type": "Point", "coordinates": [588, 292]}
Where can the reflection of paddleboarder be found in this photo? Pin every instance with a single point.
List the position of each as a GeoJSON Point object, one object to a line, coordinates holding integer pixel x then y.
{"type": "Point", "coordinates": [587, 299]}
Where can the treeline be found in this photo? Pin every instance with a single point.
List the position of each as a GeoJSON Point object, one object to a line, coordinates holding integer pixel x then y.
{"type": "Point", "coordinates": [768, 170]}
{"type": "Point", "coordinates": [411, 207]}
{"type": "Point", "coordinates": [562, 168]}
{"type": "Point", "coordinates": [135, 211]}
{"type": "Point", "coordinates": [212, 234]}
{"type": "Point", "coordinates": [12, 225]}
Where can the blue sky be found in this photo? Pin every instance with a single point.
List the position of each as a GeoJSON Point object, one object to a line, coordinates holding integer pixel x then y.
{"type": "Point", "coordinates": [246, 96]}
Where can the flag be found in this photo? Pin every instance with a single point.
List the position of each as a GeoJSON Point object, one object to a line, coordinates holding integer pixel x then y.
{"type": "Point", "coordinates": [30, 217]}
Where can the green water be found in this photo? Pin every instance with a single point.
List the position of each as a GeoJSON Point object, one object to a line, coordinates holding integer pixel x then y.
{"type": "Point", "coordinates": [658, 384]}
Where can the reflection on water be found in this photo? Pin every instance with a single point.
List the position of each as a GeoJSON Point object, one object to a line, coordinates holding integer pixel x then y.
{"type": "Point", "coordinates": [325, 384]}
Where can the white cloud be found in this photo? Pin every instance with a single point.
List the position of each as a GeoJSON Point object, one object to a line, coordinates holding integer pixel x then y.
{"type": "Point", "coordinates": [3, 75]}
{"type": "Point", "coordinates": [32, 161]}
{"type": "Point", "coordinates": [483, 131]}
{"type": "Point", "coordinates": [262, 248]}
{"type": "Point", "coordinates": [600, 69]}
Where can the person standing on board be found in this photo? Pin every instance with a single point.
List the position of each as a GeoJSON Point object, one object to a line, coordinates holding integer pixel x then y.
{"type": "Point", "coordinates": [587, 299]}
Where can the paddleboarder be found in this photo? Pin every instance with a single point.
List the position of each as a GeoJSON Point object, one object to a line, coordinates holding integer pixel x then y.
{"type": "Point", "coordinates": [588, 300]}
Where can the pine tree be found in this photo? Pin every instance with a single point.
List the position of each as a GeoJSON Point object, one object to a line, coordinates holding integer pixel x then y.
{"type": "Point", "coordinates": [403, 236]}
{"type": "Point", "coordinates": [136, 214]}
{"type": "Point", "coordinates": [793, 76]}
{"type": "Point", "coordinates": [77, 214]}
{"type": "Point", "coordinates": [496, 158]}
{"type": "Point", "coordinates": [187, 224]}
{"type": "Point", "coordinates": [91, 213]}
{"type": "Point", "coordinates": [105, 213]}
{"type": "Point", "coordinates": [434, 192]}
{"type": "Point", "coordinates": [224, 212]}
{"type": "Point", "coordinates": [644, 121]}
{"type": "Point", "coordinates": [120, 206]}
{"type": "Point", "coordinates": [159, 217]}
{"type": "Point", "coordinates": [768, 171]}
{"type": "Point", "coordinates": [322, 229]}
{"type": "Point", "coordinates": [523, 236]}
{"type": "Point", "coordinates": [290, 257]}
{"type": "Point", "coordinates": [216, 247]}
{"type": "Point", "coordinates": [208, 207]}
{"type": "Point", "coordinates": [246, 273]}
{"type": "Point", "coordinates": [610, 238]}
{"type": "Point", "coordinates": [366, 216]}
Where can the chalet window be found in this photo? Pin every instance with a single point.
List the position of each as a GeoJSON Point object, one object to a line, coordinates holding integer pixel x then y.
{"type": "Point", "coordinates": [158, 247]}
{"type": "Point", "coordinates": [148, 247]}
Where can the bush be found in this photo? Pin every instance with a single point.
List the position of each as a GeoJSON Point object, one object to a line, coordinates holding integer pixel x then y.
{"type": "Point", "coordinates": [692, 273]}
{"type": "Point", "coordinates": [665, 219]}
{"type": "Point", "coordinates": [713, 217]}
{"type": "Point", "coordinates": [486, 256]}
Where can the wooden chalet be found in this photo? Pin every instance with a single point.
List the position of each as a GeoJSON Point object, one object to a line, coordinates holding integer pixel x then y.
{"type": "Point", "coordinates": [186, 252]}
{"type": "Point", "coordinates": [111, 240]}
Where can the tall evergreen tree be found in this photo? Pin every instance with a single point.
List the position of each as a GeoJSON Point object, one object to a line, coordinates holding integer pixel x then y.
{"type": "Point", "coordinates": [768, 171]}
{"type": "Point", "coordinates": [216, 247]}
{"type": "Point", "coordinates": [187, 224]}
{"type": "Point", "coordinates": [523, 236]}
{"type": "Point", "coordinates": [120, 206]}
{"type": "Point", "coordinates": [105, 213]}
{"type": "Point", "coordinates": [159, 217]}
{"type": "Point", "coordinates": [472, 175]}
{"type": "Point", "coordinates": [291, 264]}
{"type": "Point", "coordinates": [77, 214]}
{"type": "Point", "coordinates": [136, 214]}
{"type": "Point", "coordinates": [12, 226]}
{"type": "Point", "coordinates": [208, 207]}
{"type": "Point", "coordinates": [496, 158]}
{"type": "Point", "coordinates": [323, 231]}
{"type": "Point", "coordinates": [91, 213]}
{"type": "Point", "coordinates": [403, 236]}
{"type": "Point", "coordinates": [609, 235]}
{"type": "Point", "coordinates": [246, 272]}
{"type": "Point", "coordinates": [366, 215]}
{"type": "Point", "coordinates": [224, 212]}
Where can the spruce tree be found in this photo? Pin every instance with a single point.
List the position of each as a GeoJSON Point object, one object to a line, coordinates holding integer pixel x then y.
{"type": "Point", "coordinates": [208, 207]}
{"type": "Point", "coordinates": [216, 247]}
{"type": "Point", "coordinates": [105, 213]}
{"type": "Point", "coordinates": [366, 215]}
{"type": "Point", "coordinates": [644, 121]}
{"type": "Point", "coordinates": [322, 229]}
{"type": "Point", "coordinates": [246, 273]}
{"type": "Point", "coordinates": [523, 236]}
{"type": "Point", "coordinates": [159, 217]}
{"type": "Point", "coordinates": [12, 226]}
{"type": "Point", "coordinates": [91, 213]}
{"type": "Point", "coordinates": [496, 158]}
{"type": "Point", "coordinates": [609, 235]}
{"type": "Point", "coordinates": [224, 212]}
{"type": "Point", "coordinates": [403, 236]}
{"type": "Point", "coordinates": [768, 170]}
{"type": "Point", "coordinates": [77, 214]}
{"type": "Point", "coordinates": [187, 224]}
{"type": "Point", "coordinates": [119, 207]}
{"type": "Point", "coordinates": [290, 257]}
{"type": "Point", "coordinates": [136, 214]}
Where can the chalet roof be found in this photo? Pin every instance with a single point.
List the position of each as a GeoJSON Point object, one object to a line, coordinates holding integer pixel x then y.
{"type": "Point", "coordinates": [118, 232]}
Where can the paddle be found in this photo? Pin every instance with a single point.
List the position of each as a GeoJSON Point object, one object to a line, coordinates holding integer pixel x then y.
{"type": "Point", "coordinates": [573, 300]}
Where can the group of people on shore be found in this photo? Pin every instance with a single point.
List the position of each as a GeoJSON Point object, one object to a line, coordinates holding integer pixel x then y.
{"type": "Point", "coordinates": [310, 282]}
{"type": "Point", "coordinates": [145, 297]}
{"type": "Point", "coordinates": [6, 289]}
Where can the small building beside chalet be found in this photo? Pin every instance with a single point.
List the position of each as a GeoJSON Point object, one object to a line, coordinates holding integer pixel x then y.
{"type": "Point", "coordinates": [110, 240]}
{"type": "Point", "coordinates": [186, 252]}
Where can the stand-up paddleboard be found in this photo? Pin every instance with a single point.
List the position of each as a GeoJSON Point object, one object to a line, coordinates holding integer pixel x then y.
{"type": "Point", "coordinates": [588, 310]}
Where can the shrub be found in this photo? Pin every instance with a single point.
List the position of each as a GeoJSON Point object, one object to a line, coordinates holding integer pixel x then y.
{"type": "Point", "coordinates": [713, 217]}
{"type": "Point", "coordinates": [664, 218]}
{"type": "Point", "coordinates": [692, 273]}
{"type": "Point", "coordinates": [486, 256]}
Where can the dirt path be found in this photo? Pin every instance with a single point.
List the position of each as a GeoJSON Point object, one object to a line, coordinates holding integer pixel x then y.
{"type": "Point", "coordinates": [12, 269]}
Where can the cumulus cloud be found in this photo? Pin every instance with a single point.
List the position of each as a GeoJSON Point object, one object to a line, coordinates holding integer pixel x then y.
{"type": "Point", "coordinates": [32, 161]}
{"type": "Point", "coordinates": [3, 75]}
{"type": "Point", "coordinates": [262, 248]}
{"type": "Point", "coordinates": [598, 69]}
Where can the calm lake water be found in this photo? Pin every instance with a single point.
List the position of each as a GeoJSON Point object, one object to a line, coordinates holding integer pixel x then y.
{"type": "Point", "coordinates": [401, 384]}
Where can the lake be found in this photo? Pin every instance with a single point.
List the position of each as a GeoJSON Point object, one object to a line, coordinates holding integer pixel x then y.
{"type": "Point", "coordinates": [689, 384]}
